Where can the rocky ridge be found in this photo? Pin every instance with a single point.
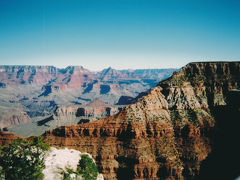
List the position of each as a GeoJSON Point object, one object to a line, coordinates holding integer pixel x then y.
{"type": "Point", "coordinates": [166, 134]}
{"type": "Point", "coordinates": [92, 111]}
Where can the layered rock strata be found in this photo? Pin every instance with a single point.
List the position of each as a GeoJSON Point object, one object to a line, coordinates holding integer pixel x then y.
{"type": "Point", "coordinates": [92, 111]}
{"type": "Point", "coordinates": [38, 90]}
{"type": "Point", "coordinates": [6, 138]}
{"type": "Point", "coordinates": [13, 118]}
{"type": "Point", "coordinates": [166, 134]}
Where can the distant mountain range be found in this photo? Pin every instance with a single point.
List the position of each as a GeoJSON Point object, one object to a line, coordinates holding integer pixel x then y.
{"type": "Point", "coordinates": [27, 92]}
{"type": "Point", "coordinates": [74, 76]}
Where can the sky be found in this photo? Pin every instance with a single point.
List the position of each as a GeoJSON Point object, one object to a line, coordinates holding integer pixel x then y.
{"type": "Point", "coordinates": [123, 34]}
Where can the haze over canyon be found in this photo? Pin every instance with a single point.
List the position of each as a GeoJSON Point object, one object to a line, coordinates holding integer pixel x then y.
{"type": "Point", "coordinates": [44, 97]}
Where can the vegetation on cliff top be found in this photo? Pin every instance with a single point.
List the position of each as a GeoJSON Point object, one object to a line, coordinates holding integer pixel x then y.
{"type": "Point", "coordinates": [23, 160]}
{"type": "Point", "coordinates": [86, 169]}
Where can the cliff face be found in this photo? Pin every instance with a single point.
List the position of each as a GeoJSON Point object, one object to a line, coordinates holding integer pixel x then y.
{"type": "Point", "coordinates": [27, 74]}
{"type": "Point", "coordinates": [78, 114]}
{"type": "Point", "coordinates": [223, 162]}
{"type": "Point", "coordinates": [11, 118]}
{"type": "Point", "coordinates": [140, 142]}
{"type": "Point", "coordinates": [166, 134]}
{"type": "Point", "coordinates": [7, 138]}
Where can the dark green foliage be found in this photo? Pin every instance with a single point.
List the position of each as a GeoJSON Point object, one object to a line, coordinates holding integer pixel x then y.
{"type": "Point", "coordinates": [23, 160]}
{"type": "Point", "coordinates": [87, 168]}
{"type": "Point", "coordinates": [67, 173]}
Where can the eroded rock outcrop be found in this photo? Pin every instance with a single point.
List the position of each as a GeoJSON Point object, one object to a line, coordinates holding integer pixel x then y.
{"type": "Point", "coordinates": [6, 138]}
{"type": "Point", "coordinates": [94, 110]}
{"type": "Point", "coordinates": [166, 134]}
{"type": "Point", "coordinates": [139, 142]}
{"type": "Point", "coordinates": [13, 118]}
{"type": "Point", "coordinates": [26, 74]}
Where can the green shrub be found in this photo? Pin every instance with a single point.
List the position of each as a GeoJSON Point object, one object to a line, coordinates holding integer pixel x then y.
{"type": "Point", "coordinates": [67, 173]}
{"type": "Point", "coordinates": [23, 160]}
{"type": "Point", "coordinates": [87, 168]}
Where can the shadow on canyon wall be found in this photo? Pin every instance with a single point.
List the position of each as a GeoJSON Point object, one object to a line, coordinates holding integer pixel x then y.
{"type": "Point", "coordinates": [223, 162]}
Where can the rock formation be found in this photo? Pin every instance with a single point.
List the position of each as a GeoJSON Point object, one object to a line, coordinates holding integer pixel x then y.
{"type": "Point", "coordinates": [92, 111]}
{"type": "Point", "coordinates": [38, 90]}
{"type": "Point", "coordinates": [97, 109]}
{"type": "Point", "coordinates": [27, 74]}
{"type": "Point", "coordinates": [6, 138]}
{"type": "Point", "coordinates": [13, 118]}
{"type": "Point", "coordinates": [166, 134]}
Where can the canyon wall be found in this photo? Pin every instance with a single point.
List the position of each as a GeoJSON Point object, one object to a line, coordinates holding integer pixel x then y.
{"type": "Point", "coordinates": [26, 74]}
{"type": "Point", "coordinates": [92, 111]}
{"type": "Point", "coordinates": [14, 117]}
{"type": "Point", "coordinates": [166, 134]}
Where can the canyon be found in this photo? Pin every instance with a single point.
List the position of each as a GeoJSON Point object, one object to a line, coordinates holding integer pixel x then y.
{"type": "Point", "coordinates": [33, 95]}
{"type": "Point", "coordinates": [186, 127]}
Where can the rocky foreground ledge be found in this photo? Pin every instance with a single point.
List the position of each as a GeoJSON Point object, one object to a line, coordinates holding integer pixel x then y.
{"type": "Point", "coordinates": [185, 122]}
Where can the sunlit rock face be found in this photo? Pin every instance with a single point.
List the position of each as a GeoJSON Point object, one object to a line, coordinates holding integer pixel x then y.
{"type": "Point", "coordinates": [166, 134]}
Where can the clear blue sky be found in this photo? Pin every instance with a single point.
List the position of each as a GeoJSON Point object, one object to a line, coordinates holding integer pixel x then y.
{"type": "Point", "coordinates": [118, 33]}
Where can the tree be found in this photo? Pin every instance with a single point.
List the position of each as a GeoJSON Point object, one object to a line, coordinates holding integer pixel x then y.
{"type": "Point", "coordinates": [87, 168]}
{"type": "Point", "coordinates": [68, 173]}
{"type": "Point", "coordinates": [23, 160]}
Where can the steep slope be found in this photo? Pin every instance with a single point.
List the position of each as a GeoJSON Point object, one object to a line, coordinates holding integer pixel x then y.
{"type": "Point", "coordinates": [166, 134]}
{"type": "Point", "coordinates": [110, 74]}
{"type": "Point", "coordinates": [72, 77]}
{"type": "Point", "coordinates": [223, 162]}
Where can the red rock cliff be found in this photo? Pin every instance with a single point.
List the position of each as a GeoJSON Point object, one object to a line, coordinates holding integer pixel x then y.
{"type": "Point", "coordinates": [165, 134]}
